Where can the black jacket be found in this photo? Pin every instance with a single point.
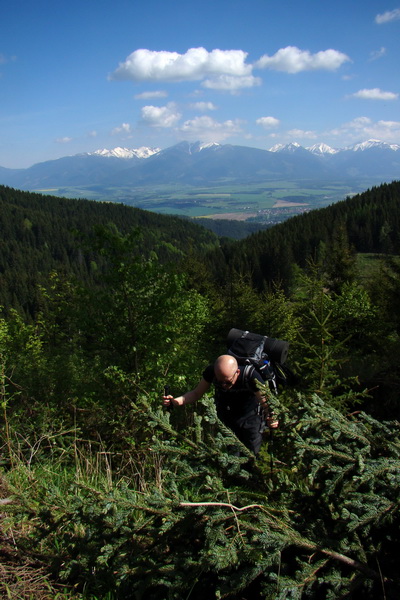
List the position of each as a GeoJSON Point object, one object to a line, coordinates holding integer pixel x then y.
{"type": "Point", "coordinates": [240, 399]}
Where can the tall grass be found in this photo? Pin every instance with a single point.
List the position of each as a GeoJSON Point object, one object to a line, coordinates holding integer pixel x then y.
{"type": "Point", "coordinates": [52, 471]}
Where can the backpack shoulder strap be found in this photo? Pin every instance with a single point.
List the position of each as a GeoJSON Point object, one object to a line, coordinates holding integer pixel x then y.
{"type": "Point", "coordinates": [247, 373]}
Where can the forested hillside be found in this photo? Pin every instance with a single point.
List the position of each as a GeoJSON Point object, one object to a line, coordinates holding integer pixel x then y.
{"type": "Point", "coordinates": [368, 222]}
{"type": "Point", "coordinates": [105, 494]}
{"type": "Point", "coordinates": [41, 233]}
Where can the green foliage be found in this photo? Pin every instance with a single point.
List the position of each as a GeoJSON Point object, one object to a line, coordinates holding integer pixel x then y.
{"type": "Point", "coordinates": [22, 364]}
{"type": "Point", "coordinates": [340, 262]}
{"type": "Point", "coordinates": [41, 234]}
{"type": "Point", "coordinates": [338, 347]}
{"type": "Point", "coordinates": [90, 351]}
{"type": "Point", "coordinates": [385, 290]}
{"type": "Point", "coordinates": [118, 498]}
{"type": "Point", "coordinates": [385, 376]}
{"type": "Point", "coordinates": [351, 467]}
{"type": "Point", "coordinates": [146, 320]}
{"type": "Point", "coordinates": [208, 524]}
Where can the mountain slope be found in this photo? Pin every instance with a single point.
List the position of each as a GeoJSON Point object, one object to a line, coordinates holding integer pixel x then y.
{"type": "Point", "coordinates": [44, 233]}
{"type": "Point", "coordinates": [210, 164]}
{"type": "Point", "coordinates": [369, 221]}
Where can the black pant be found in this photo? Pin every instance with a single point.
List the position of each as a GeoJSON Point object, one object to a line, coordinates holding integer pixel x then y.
{"type": "Point", "coordinates": [247, 428]}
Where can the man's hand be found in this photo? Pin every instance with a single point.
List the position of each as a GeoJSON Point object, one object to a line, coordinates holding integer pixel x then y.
{"type": "Point", "coordinates": [168, 401]}
{"type": "Point", "coordinates": [167, 398]}
{"type": "Point", "coordinates": [271, 421]}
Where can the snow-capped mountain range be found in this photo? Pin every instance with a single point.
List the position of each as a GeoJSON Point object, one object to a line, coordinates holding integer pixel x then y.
{"type": "Point", "coordinates": [142, 152]}
{"type": "Point", "coordinates": [202, 164]}
{"type": "Point", "coordinates": [145, 152]}
{"type": "Point", "coordinates": [321, 149]}
{"type": "Point", "coordinates": [318, 149]}
{"type": "Point", "coordinates": [373, 144]}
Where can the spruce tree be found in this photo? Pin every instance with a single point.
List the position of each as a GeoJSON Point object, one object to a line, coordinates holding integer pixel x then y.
{"type": "Point", "coordinates": [206, 523]}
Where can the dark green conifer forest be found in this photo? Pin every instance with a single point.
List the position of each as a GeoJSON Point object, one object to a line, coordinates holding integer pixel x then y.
{"type": "Point", "coordinates": [105, 494]}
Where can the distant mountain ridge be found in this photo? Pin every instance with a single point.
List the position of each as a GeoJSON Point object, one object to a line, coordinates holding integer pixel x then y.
{"type": "Point", "coordinates": [127, 153]}
{"type": "Point", "coordinates": [325, 149]}
{"type": "Point", "coordinates": [202, 164]}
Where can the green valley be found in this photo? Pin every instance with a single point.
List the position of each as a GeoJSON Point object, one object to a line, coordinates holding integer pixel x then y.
{"type": "Point", "coordinates": [271, 201]}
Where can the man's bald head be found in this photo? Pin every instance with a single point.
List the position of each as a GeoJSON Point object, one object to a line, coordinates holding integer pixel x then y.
{"type": "Point", "coordinates": [226, 369]}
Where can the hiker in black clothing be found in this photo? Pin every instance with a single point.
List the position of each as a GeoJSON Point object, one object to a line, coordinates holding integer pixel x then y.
{"type": "Point", "coordinates": [240, 403]}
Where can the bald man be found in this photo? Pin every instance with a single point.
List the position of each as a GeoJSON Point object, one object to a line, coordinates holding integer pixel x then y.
{"type": "Point", "coordinates": [240, 404]}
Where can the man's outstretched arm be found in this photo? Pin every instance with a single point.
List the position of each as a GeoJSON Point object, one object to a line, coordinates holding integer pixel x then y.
{"type": "Point", "coordinates": [188, 397]}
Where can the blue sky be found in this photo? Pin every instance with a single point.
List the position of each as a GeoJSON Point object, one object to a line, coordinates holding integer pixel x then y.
{"type": "Point", "coordinates": [78, 76]}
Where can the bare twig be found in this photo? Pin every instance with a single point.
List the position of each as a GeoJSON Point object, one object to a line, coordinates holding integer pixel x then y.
{"type": "Point", "coordinates": [226, 504]}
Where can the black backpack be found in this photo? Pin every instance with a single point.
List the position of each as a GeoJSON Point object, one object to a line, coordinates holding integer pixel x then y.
{"type": "Point", "coordinates": [267, 355]}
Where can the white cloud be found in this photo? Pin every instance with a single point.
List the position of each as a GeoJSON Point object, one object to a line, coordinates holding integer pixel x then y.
{"type": "Point", "coordinates": [64, 140]}
{"type": "Point", "coordinates": [363, 128]}
{"type": "Point", "coordinates": [390, 125]}
{"type": "Point", "coordinates": [161, 116]}
{"type": "Point", "coordinates": [388, 131]}
{"type": "Point", "coordinates": [268, 122]}
{"type": "Point", "coordinates": [92, 134]}
{"type": "Point", "coordinates": [231, 83]}
{"type": "Point", "coordinates": [207, 129]}
{"type": "Point", "coordinates": [203, 106]}
{"type": "Point", "coordinates": [375, 94]}
{"type": "Point", "coordinates": [301, 134]}
{"type": "Point", "coordinates": [148, 95]}
{"type": "Point", "coordinates": [386, 17]}
{"type": "Point", "coordinates": [124, 128]}
{"type": "Point", "coordinates": [357, 125]}
{"type": "Point", "coordinates": [376, 54]}
{"type": "Point", "coordinates": [195, 64]}
{"type": "Point", "coordinates": [293, 60]}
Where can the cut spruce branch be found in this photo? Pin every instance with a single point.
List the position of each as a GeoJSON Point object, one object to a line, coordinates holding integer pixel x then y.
{"type": "Point", "coordinates": [296, 539]}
